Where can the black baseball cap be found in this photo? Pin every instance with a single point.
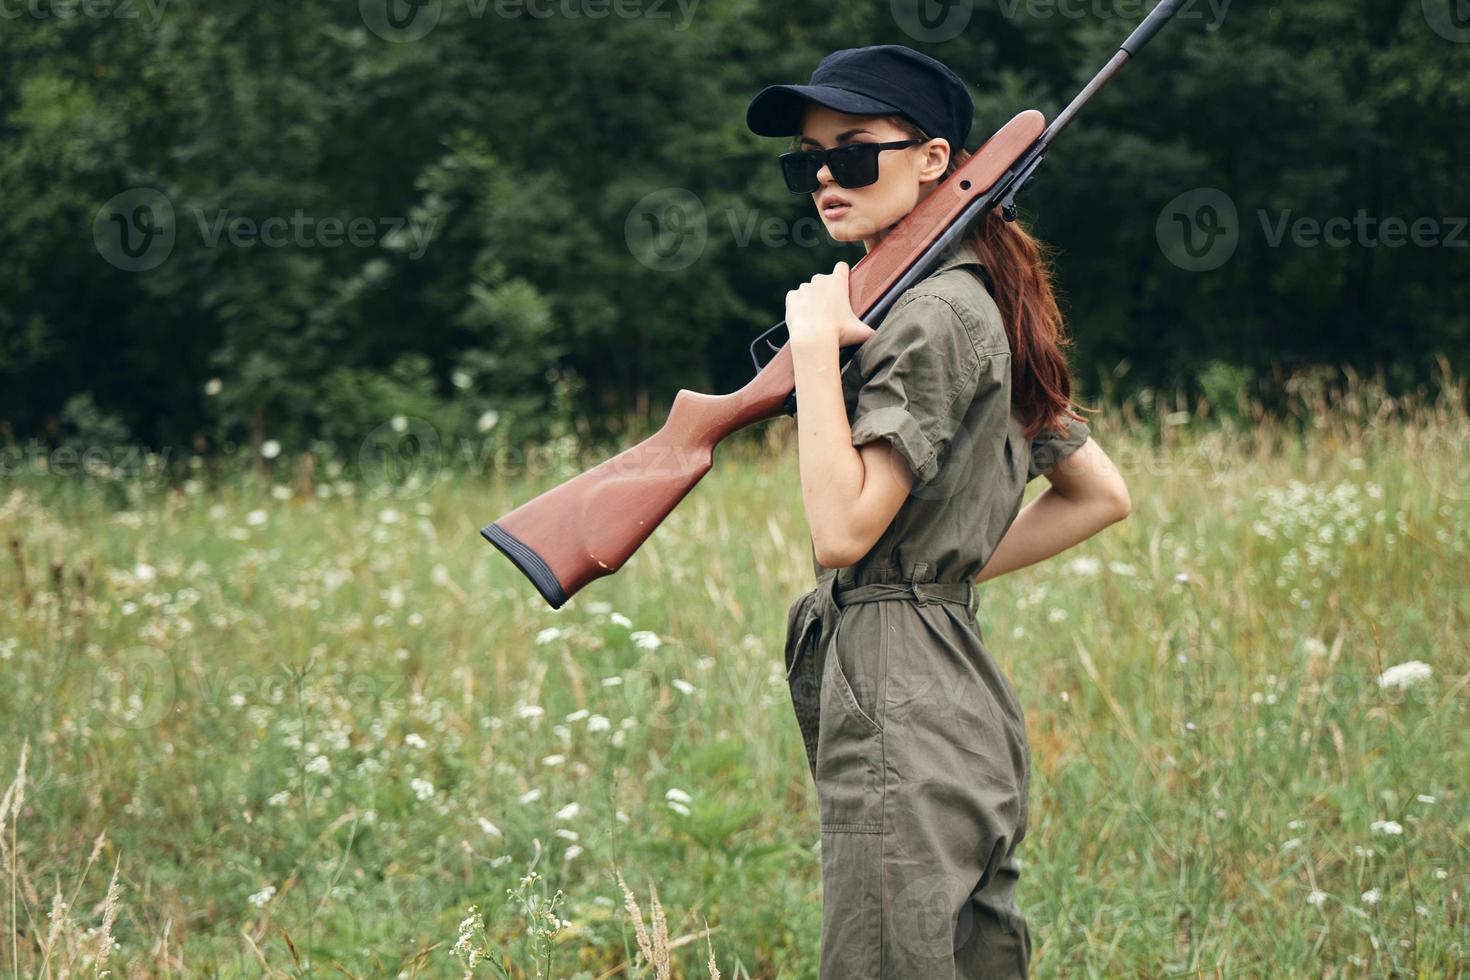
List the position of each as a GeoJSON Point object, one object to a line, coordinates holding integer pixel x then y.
{"type": "Point", "coordinates": [879, 80]}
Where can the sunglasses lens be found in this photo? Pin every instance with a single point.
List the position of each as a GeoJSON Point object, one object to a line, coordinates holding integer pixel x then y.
{"type": "Point", "coordinates": [800, 171]}
{"type": "Point", "coordinates": [854, 166]}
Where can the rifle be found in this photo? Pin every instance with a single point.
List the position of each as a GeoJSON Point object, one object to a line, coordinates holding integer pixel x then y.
{"type": "Point", "coordinates": [590, 525]}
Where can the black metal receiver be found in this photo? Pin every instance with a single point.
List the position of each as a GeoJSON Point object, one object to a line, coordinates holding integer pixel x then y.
{"type": "Point", "coordinates": [1002, 193]}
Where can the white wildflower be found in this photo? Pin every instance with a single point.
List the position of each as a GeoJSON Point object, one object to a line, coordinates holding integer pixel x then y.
{"type": "Point", "coordinates": [489, 828]}
{"type": "Point", "coordinates": [1084, 565]}
{"type": "Point", "coordinates": [1371, 896]}
{"type": "Point", "coordinates": [569, 811]}
{"type": "Point", "coordinates": [422, 788]}
{"type": "Point", "coordinates": [645, 639]}
{"type": "Point", "coordinates": [416, 740]}
{"type": "Point", "coordinates": [1316, 897]}
{"type": "Point", "coordinates": [264, 895]}
{"type": "Point", "coordinates": [1405, 674]}
{"type": "Point", "coordinates": [683, 685]}
{"type": "Point", "coordinates": [270, 449]}
{"type": "Point", "coordinates": [1391, 827]}
{"type": "Point", "coordinates": [679, 795]}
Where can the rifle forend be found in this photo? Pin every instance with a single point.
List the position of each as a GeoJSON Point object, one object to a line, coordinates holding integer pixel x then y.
{"type": "Point", "coordinates": [590, 525]}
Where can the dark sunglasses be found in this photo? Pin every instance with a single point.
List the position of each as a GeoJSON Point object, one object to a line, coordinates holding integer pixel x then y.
{"type": "Point", "coordinates": [853, 165]}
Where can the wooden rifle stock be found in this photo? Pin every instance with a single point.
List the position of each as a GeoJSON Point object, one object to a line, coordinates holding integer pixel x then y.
{"type": "Point", "coordinates": [590, 525]}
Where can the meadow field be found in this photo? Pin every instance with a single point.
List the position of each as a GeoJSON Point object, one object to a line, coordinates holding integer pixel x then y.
{"type": "Point", "coordinates": [294, 717]}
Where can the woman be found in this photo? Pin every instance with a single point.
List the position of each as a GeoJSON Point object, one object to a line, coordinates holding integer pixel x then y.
{"type": "Point", "coordinates": [914, 459]}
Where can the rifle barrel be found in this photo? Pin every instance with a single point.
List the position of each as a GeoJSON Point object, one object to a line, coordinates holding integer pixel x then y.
{"type": "Point", "coordinates": [1142, 34]}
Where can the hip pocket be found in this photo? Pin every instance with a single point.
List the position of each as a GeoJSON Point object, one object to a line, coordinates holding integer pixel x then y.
{"type": "Point", "coordinates": [860, 668]}
{"type": "Point", "coordinates": [849, 757]}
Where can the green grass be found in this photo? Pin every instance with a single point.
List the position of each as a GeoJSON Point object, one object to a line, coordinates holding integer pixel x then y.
{"type": "Point", "coordinates": [307, 735]}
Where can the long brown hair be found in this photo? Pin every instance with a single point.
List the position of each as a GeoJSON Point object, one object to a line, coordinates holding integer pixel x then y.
{"type": "Point", "coordinates": [1020, 270]}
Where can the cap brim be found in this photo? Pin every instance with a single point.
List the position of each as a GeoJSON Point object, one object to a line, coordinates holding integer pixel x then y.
{"type": "Point", "coordinates": [778, 110]}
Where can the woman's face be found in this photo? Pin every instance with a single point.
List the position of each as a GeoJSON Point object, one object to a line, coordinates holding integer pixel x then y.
{"type": "Point", "coordinates": [905, 177]}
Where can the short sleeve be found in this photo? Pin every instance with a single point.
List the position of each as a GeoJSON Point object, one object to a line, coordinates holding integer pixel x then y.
{"type": "Point", "coordinates": [1049, 449]}
{"type": "Point", "coordinates": [920, 372]}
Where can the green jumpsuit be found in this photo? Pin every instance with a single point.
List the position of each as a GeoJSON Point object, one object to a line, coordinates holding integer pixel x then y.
{"type": "Point", "coordinates": [915, 737]}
